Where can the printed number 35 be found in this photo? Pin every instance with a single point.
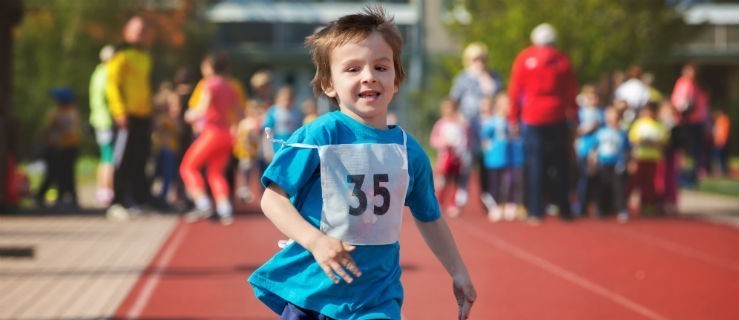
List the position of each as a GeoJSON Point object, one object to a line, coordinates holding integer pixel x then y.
{"type": "Point", "coordinates": [357, 180]}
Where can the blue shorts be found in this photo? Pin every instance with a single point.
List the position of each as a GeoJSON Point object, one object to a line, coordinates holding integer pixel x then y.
{"type": "Point", "coordinates": [293, 312]}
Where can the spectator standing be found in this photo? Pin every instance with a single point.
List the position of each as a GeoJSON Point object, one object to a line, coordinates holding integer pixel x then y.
{"type": "Point", "coordinates": [283, 118]}
{"type": "Point", "coordinates": [648, 137]}
{"type": "Point", "coordinates": [248, 136]}
{"type": "Point", "coordinates": [166, 140]}
{"type": "Point", "coordinates": [542, 97]}
{"type": "Point", "coordinates": [692, 102]}
{"type": "Point", "coordinates": [591, 119]}
{"type": "Point", "coordinates": [449, 136]}
{"type": "Point", "coordinates": [721, 128]}
{"type": "Point", "coordinates": [102, 122]}
{"type": "Point", "coordinates": [502, 160]}
{"type": "Point", "coordinates": [63, 137]}
{"type": "Point", "coordinates": [612, 155]}
{"type": "Point", "coordinates": [668, 167]}
{"type": "Point", "coordinates": [468, 88]}
{"type": "Point", "coordinates": [128, 90]}
{"type": "Point", "coordinates": [635, 92]}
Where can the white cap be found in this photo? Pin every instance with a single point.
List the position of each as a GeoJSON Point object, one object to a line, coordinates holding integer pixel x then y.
{"type": "Point", "coordinates": [543, 34]}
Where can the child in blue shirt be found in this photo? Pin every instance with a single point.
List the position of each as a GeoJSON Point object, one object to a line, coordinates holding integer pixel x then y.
{"type": "Point", "coordinates": [501, 161]}
{"type": "Point", "coordinates": [612, 151]}
{"type": "Point", "coordinates": [337, 188]}
{"type": "Point", "coordinates": [591, 119]}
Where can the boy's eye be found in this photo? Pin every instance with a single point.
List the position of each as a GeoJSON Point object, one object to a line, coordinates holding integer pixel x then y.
{"type": "Point", "coordinates": [352, 69]}
{"type": "Point", "coordinates": [381, 68]}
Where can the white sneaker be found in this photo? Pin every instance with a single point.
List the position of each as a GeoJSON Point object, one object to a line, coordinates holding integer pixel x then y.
{"type": "Point", "coordinates": [117, 212]}
{"type": "Point", "coordinates": [227, 220]}
{"type": "Point", "coordinates": [244, 194]}
{"type": "Point", "coordinates": [197, 215]}
{"type": "Point", "coordinates": [495, 214]}
{"type": "Point", "coordinates": [510, 212]}
{"type": "Point", "coordinates": [487, 200]}
{"type": "Point", "coordinates": [623, 217]}
{"type": "Point", "coordinates": [460, 199]}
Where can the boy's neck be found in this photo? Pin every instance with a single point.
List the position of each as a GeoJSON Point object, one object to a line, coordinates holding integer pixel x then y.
{"type": "Point", "coordinates": [379, 122]}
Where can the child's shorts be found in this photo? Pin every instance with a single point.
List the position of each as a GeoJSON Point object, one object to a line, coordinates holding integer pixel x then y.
{"type": "Point", "coordinates": [293, 312]}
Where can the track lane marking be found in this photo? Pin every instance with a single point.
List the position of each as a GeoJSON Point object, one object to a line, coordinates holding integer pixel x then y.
{"type": "Point", "coordinates": [678, 248]}
{"type": "Point", "coordinates": [152, 281]}
{"type": "Point", "coordinates": [560, 272]}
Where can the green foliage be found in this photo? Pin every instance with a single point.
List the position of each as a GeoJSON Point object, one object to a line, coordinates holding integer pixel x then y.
{"type": "Point", "coordinates": [58, 44]}
{"type": "Point", "coordinates": [599, 35]}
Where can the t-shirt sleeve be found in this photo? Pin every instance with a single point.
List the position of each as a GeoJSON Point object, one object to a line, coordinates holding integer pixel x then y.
{"type": "Point", "coordinates": [292, 166]}
{"type": "Point", "coordinates": [421, 198]}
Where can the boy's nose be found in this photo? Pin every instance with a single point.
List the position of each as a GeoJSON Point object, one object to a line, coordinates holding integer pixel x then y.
{"type": "Point", "coordinates": [368, 77]}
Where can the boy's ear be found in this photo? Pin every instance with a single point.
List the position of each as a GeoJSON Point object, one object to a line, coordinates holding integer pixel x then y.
{"type": "Point", "coordinates": [329, 90]}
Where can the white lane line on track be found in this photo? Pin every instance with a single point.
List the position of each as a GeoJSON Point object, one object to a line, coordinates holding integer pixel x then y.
{"type": "Point", "coordinates": [561, 272]}
{"type": "Point", "coordinates": [153, 280]}
{"type": "Point", "coordinates": [680, 249]}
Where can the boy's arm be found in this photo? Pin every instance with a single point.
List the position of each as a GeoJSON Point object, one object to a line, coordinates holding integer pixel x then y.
{"type": "Point", "coordinates": [331, 254]}
{"type": "Point", "coordinates": [439, 239]}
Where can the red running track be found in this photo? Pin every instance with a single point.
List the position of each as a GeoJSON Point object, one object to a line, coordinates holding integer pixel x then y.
{"type": "Point", "coordinates": [590, 269]}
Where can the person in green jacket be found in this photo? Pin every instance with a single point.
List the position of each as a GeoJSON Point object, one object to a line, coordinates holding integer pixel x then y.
{"type": "Point", "coordinates": [102, 122]}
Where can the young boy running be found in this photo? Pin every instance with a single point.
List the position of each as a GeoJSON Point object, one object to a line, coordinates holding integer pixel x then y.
{"type": "Point", "coordinates": [337, 187]}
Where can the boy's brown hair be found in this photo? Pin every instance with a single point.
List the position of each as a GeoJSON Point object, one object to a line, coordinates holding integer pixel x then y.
{"type": "Point", "coordinates": [354, 27]}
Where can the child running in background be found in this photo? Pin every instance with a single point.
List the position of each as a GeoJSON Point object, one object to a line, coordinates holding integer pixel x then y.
{"type": "Point", "coordinates": [648, 137]}
{"type": "Point", "coordinates": [591, 119]}
{"type": "Point", "coordinates": [246, 148]}
{"type": "Point", "coordinates": [338, 186]}
{"type": "Point", "coordinates": [212, 148]}
{"type": "Point", "coordinates": [450, 138]}
{"type": "Point", "coordinates": [612, 154]}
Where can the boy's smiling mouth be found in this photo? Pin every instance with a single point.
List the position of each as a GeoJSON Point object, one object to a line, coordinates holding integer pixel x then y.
{"type": "Point", "coordinates": [369, 94]}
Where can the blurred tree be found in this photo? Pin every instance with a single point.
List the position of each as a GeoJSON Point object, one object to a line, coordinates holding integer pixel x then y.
{"type": "Point", "coordinates": [58, 43]}
{"type": "Point", "coordinates": [600, 36]}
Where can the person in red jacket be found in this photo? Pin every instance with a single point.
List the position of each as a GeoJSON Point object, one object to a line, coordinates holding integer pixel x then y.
{"type": "Point", "coordinates": [542, 94]}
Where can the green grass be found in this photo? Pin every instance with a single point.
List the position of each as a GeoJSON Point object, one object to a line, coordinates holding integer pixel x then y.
{"type": "Point", "coordinates": [723, 186]}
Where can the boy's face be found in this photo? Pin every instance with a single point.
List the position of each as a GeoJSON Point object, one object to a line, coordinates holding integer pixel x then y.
{"type": "Point", "coordinates": [363, 79]}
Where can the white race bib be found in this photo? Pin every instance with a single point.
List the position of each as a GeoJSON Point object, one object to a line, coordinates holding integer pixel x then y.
{"type": "Point", "coordinates": [364, 188]}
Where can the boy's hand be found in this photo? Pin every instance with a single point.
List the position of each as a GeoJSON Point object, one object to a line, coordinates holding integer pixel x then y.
{"type": "Point", "coordinates": [333, 256]}
{"type": "Point", "coordinates": [465, 294]}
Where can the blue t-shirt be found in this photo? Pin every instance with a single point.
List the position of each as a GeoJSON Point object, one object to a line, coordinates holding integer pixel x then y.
{"type": "Point", "coordinates": [293, 274]}
{"type": "Point", "coordinates": [612, 146]}
{"type": "Point", "coordinates": [283, 122]}
{"type": "Point", "coordinates": [586, 142]}
{"type": "Point", "coordinates": [495, 142]}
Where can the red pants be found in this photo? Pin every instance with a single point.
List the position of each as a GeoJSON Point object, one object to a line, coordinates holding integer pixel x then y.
{"type": "Point", "coordinates": [211, 149]}
{"type": "Point", "coordinates": [643, 180]}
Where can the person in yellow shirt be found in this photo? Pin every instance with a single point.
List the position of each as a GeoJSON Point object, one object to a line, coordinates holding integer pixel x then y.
{"type": "Point", "coordinates": [648, 137]}
{"type": "Point", "coordinates": [129, 98]}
